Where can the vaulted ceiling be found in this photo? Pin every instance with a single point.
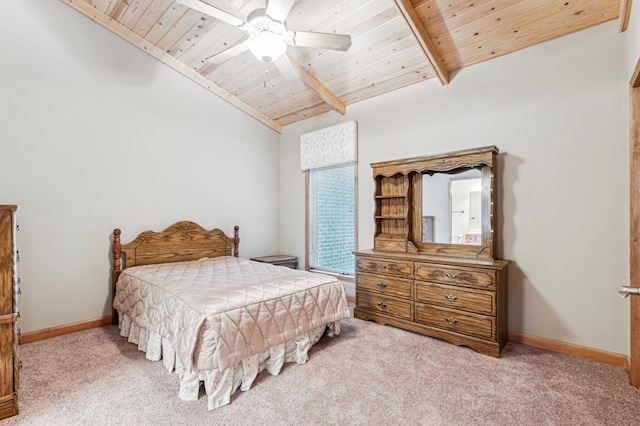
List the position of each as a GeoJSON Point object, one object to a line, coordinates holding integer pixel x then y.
{"type": "Point", "coordinates": [394, 43]}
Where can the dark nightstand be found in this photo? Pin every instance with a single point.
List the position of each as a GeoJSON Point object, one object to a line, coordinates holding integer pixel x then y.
{"type": "Point", "coordinates": [279, 259]}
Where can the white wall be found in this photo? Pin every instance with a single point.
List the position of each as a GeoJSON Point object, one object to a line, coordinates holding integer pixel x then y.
{"type": "Point", "coordinates": [95, 135]}
{"type": "Point", "coordinates": [558, 113]}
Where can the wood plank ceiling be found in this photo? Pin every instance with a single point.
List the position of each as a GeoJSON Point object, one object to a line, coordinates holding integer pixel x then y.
{"type": "Point", "coordinates": [395, 43]}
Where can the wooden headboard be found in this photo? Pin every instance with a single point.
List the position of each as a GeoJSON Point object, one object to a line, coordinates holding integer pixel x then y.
{"type": "Point", "coordinates": [181, 241]}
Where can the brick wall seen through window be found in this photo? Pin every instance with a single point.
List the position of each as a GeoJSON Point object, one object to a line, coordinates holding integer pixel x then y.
{"type": "Point", "coordinates": [332, 218]}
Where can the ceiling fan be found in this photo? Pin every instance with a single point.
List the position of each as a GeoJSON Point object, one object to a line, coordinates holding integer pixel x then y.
{"type": "Point", "coordinates": [268, 37]}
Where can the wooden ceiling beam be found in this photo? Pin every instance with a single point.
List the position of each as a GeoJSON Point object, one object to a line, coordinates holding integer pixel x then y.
{"type": "Point", "coordinates": [325, 94]}
{"type": "Point", "coordinates": [424, 39]}
{"type": "Point", "coordinates": [623, 15]}
{"type": "Point", "coordinates": [109, 23]}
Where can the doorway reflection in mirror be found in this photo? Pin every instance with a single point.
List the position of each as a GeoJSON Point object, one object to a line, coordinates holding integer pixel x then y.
{"type": "Point", "coordinates": [451, 207]}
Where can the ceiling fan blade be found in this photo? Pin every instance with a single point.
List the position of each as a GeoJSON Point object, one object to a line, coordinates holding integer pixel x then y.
{"type": "Point", "coordinates": [286, 67]}
{"type": "Point", "coordinates": [322, 40]}
{"type": "Point", "coordinates": [227, 54]}
{"type": "Point", "coordinates": [279, 9]}
{"type": "Point", "coordinates": [212, 11]}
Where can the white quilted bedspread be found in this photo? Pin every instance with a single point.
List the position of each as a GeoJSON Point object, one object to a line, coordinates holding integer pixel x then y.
{"type": "Point", "coordinates": [217, 312]}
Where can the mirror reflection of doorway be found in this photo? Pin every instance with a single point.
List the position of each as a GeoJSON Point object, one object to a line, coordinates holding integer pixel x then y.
{"type": "Point", "coordinates": [465, 211]}
{"type": "Point", "coordinates": [438, 207]}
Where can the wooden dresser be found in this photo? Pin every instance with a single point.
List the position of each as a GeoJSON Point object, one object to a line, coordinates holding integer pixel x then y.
{"type": "Point", "coordinates": [460, 301]}
{"type": "Point", "coordinates": [8, 314]}
{"type": "Point", "coordinates": [432, 268]}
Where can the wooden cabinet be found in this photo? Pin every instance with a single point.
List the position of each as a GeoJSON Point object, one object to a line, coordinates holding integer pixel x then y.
{"type": "Point", "coordinates": [8, 314]}
{"type": "Point", "coordinates": [462, 301]}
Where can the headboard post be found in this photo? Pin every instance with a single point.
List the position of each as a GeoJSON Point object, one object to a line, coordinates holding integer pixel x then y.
{"type": "Point", "coordinates": [236, 240]}
{"type": "Point", "coordinates": [116, 269]}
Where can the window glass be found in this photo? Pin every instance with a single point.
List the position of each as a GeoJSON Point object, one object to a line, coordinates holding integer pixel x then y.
{"type": "Point", "coordinates": [331, 212]}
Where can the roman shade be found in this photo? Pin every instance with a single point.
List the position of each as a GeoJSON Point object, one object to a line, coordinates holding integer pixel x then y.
{"type": "Point", "coordinates": [329, 146]}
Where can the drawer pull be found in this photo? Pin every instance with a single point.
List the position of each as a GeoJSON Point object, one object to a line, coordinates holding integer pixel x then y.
{"type": "Point", "coordinates": [451, 320]}
{"type": "Point", "coordinates": [451, 275]}
{"type": "Point", "coordinates": [382, 304]}
{"type": "Point", "coordinates": [451, 297]}
{"type": "Point", "coordinates": [381, 266]}
{"type": "Point", "coordinates": [382, 285]}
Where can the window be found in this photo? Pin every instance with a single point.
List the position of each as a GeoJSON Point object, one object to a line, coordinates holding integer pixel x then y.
{"type": "Point", "coordinates": [331, 218]}
{"type": "Point", "coordinates": [329, 157]}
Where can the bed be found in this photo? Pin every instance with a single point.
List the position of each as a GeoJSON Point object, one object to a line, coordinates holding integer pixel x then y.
{"type": "Point", "coordinates": [185, 297]}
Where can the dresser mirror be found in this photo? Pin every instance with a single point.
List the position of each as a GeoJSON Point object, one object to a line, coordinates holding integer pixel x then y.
{"type": "Point", "coordinates": [452, 207]}
{"type": "Point", "coordinates": [441, 204]}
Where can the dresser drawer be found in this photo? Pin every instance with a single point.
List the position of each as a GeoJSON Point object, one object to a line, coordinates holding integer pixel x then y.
{"type": "Point", "coordinates": [7, 347]}
{"type": "Point", "coordinates": [8, 406]}
{"type": "Point", "coordinates": [384, 285]}
{"type": "Point", "coordinates": [468, 277]}
{"type": "Point", "coordinates": [387, 305]}
{"type": "Point", "coordinates": [384, 266]}
{"type": "Point", "coordinates": [478, 301]}
{"type": "Point", "coordinates": [479, 326]}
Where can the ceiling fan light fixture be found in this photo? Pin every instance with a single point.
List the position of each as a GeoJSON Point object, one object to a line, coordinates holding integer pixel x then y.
{"type": "Point", "coordinates": [266, 46]}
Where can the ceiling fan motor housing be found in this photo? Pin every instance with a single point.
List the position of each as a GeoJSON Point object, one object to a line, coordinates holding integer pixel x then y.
{"type": "Point", "coordinates": [266, 36]}
{"type": "Point", "coordinates": [259, 22]}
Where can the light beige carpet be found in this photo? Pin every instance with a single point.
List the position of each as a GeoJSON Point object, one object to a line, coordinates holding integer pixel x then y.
{"type": "Point", "coordinates": [369, 375]}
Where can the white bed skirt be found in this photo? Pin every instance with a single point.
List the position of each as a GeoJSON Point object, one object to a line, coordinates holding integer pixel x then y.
{"type": "Point", "coordinates": [219, 385]}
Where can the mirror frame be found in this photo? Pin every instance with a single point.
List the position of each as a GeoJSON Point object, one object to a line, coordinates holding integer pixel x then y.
{"type": "Point", "coordinates": [414, 168]}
